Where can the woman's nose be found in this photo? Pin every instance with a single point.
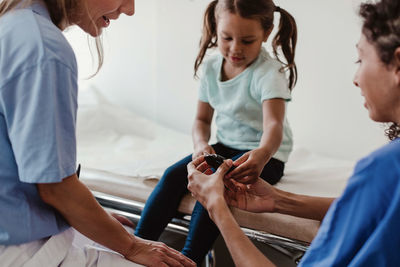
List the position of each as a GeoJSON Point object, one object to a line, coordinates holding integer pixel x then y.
{"type": "Point", "coordinates": [355, 81]}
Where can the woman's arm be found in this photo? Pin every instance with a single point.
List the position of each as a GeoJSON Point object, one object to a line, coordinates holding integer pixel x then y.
{"type": "Point", "coordinates": [252, 163]}
{"type": "Point", "coordinates": [208, 189]}
{"type": "Point", "coordinates": [78, 206]}
{"type": "Point", "coordinates": [302, 206]}
{"type": "Point", "coordinates": [202, 129]}
{"type": "Point", "coordinates": [262, 197]}
{"type": "Point", "coordinates": [242, 250]}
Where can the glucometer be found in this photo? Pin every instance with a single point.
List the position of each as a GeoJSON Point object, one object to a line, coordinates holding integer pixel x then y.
{"type": "Point", "coordinates": [215, 161]}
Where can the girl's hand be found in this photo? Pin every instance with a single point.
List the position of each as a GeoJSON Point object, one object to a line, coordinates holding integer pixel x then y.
{"type": "Point", "coordinates": [249, 166]}
{"type": "Point", "coordinates": [199, 150]}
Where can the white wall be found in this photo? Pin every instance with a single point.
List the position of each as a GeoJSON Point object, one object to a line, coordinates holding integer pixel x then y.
{"type": "Point", "coordinates": [149, 69]}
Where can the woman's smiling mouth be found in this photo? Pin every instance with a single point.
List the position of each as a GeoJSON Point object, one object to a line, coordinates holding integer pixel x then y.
{"type": "Point", "coordinates": [106, 21]}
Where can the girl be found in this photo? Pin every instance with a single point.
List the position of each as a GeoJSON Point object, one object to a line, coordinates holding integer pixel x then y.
{"type": "Point", "coordinates": [249, 90]}
{"type": "Point", "coordinates": [41, 196]}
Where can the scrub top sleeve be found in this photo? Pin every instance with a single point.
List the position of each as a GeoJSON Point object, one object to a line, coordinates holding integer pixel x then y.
{"type": "Point", "coordinates": [41, 105]}
{"type": "Point", "coordinates": [351, 220]}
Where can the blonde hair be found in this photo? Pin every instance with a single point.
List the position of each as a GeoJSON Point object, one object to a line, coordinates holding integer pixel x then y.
{"type": "Point", "coordinates": [60, 13]}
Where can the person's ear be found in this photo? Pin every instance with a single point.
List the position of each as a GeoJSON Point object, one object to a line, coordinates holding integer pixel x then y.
{"type": "Point", "coordinates": [267, 33]}
{"type": "Point", "coordinates": [397, 64]}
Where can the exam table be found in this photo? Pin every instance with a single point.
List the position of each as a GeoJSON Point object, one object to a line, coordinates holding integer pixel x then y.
{"type": "Point", "coordinates": [123, 155]}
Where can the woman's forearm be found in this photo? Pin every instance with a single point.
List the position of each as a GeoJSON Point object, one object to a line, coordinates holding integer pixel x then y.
{"type": "Point", "coordinates": [78, 206]}
{"type": "Point", "coordinates": [242, 250]}
{"type": "Point", "coordinates": [302, 206]}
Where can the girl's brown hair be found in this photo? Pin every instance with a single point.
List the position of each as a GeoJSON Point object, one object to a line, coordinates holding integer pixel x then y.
{"type": "Point", "coordinates": [263, 11]}
{"type": "Point", "coordinates": [381, 27]}
{"type": "Point", "coordinates": [61, 12]}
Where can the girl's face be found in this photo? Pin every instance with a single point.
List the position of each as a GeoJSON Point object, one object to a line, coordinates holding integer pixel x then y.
{"type": "Point", "coordinates": [239, 39]}
{"type": "Point", "coordinates": [379, 84]}
{"type": "Point", "coordinates": [97, 14]}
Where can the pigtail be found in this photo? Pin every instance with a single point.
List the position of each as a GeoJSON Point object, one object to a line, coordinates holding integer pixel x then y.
{"type": "Point", "coordinates": [209, 36]}
{"type": "Point", "coordinates": [286, 38]}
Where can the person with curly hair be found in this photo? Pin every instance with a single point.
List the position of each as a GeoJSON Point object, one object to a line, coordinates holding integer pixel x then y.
{"type": "Point", "coordinates": [361, 227]}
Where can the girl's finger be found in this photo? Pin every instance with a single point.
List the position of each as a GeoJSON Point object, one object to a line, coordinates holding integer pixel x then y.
{"type": "Point", "coordinates": [240, 160]}
{"type": "Point", "coordinates": [241, 173]}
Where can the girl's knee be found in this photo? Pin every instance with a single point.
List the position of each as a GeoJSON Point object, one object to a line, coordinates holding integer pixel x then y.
{"type": "Point", "coordinates": [272, 177]}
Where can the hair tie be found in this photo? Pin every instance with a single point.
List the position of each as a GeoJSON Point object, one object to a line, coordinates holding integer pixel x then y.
{"type": "Point", "coordinates": [277, 9]}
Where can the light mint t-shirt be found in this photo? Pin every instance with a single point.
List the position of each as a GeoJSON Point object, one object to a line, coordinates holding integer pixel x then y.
{"type": "Point", "coordinates": [238, 102]}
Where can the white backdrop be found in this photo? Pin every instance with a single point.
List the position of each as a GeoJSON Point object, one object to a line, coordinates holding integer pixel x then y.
{"type": "Point", "coordinates": [149, 69]}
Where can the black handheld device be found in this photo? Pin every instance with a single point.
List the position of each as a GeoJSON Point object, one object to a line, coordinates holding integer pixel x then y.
{"type": "Point", "coordinates": [215, 161]}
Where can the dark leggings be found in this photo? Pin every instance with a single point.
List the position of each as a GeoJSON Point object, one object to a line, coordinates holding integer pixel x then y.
{"type": "Point", "coordinates": [162, 205]}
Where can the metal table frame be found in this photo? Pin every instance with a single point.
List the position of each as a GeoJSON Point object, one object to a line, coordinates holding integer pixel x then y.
{"type": "Point", "coordinates": [131, 209]}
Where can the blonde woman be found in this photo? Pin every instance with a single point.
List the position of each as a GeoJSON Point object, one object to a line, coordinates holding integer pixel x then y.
{"type": "Point", "coordinates": [40, 194]}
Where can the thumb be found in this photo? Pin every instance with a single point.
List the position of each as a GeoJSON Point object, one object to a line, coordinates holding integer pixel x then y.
{"type": "Point", "coordinates": [224, 167]}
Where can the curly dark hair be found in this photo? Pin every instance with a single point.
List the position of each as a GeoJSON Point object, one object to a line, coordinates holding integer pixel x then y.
{"type": "Point", "coordinates": [393, 131]}
{"type": "Point", "coordinates": [381, 27]}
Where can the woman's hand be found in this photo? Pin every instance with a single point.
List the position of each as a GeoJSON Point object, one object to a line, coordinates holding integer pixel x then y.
{"type": "Point", "coordinates": [200, 148]}
{"type": "Point", "coordinates": [259, 196]}
{"type": "Point", "coordinates": [156, 254]}
{"type": "Point", "coordinates": [249, 166]}
{"type": "Point", "coordinates": [207, 189]}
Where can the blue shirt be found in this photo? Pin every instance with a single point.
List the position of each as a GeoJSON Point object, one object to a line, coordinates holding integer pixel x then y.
{"type": "Point", "coordinates": [362, 227]}
{"type": "Point", "coordinates": [38, 104]}
{"type": "Point", "coordinates": [238, 102]}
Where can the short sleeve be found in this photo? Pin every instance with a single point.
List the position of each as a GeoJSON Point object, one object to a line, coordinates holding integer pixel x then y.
{"type": "Point", "coordinates": [273, 84]}
{"type": "Point", "coordinates": [40, 107]}
{"type": "Point", "coordinates": [203, 92]}
{"type": "Point", "coordinates": [359, 225]}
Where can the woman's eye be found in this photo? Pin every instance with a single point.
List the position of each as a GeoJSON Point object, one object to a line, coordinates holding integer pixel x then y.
{"type": "Point", "coordinates": [358, 61]}
{"type": "Point", "coordinates": [227, 38]}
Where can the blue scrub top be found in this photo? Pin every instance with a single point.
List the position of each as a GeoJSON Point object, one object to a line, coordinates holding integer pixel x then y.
{"type": "Point", "coordinates": [38, 104]}
{"type": "Point", "coordinates": [362, 227]}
